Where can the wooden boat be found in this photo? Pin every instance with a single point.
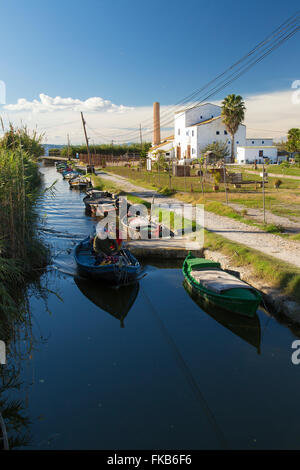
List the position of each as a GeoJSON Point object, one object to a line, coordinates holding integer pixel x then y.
{"type": "Point", "coordinates": [140, 227]}
{"type": "Point", "coordinates": [97, 198]}
{"type": "Point", "coordinates": [115, 301]}
{"type": "Point", "coordinates": [247, 328]}
{"type": "Point", "coordinates": [101, 210]}
{"type": "Point", "coordinates": [120, 268]}
{"type": "Point", "coordinates": [68, 175]}
{"type": "Point", "coordinates": [206, 279]}
{"type": "Point", "coordinates": [78, 183]}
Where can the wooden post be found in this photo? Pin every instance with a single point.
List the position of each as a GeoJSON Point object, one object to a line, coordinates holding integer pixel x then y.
{"type": "Point", "coordinates": [86, 140]}
{"type": "Point", "coordinates": [225, 182]}
{"type": "Point", "coordinates": [263, 190]}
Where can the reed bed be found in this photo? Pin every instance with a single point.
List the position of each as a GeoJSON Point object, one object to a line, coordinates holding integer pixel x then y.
{"type": "Point", "coordinates": [22, 254]}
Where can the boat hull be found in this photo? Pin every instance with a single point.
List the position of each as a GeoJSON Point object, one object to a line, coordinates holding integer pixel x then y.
{"type": "Point", "coordinates": [230, 303]}
{"type": "Point", "coordinates": [110, 273]}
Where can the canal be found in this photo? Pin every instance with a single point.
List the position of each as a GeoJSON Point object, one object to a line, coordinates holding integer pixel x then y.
{"type": "Point", "coordinates": [145, 367]}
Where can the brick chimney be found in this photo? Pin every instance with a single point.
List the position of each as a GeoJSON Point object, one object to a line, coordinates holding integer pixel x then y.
{"type": "Point", "coordinates": [156, 124]}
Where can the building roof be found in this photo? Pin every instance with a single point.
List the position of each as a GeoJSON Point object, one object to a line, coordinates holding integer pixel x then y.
{"type": "Point", "coordinates": [198, 106]}
{"type": "Point", "coordinates": [165, 142]}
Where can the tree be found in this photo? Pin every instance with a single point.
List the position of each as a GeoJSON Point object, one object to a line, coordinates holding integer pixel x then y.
{"type": "Point", "coordinates": [233, 114]}
{"type": "Point", "coordinates": [293, 142]}
{"type": "Point", "coordinates": [219, 148]}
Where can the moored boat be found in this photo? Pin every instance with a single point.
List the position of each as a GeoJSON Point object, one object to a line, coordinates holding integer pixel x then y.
{"type": "Point", "coordinates": [78, 183]}
{"type": "Point", "coordinates": [95, 199]}
{"type": "Point", "coordinates": [206, 279]}
{"type": "Point", "coordinates": [141, 227]}
{"type": "Point", "coordinates": [117, 268]}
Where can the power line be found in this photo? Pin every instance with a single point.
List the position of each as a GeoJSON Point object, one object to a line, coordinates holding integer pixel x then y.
{"type": "Point", "coordinates": [283, 33]}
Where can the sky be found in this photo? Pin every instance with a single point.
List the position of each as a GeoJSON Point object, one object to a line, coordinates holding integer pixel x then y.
{"type": "Point", "coordinates": [111, 59]}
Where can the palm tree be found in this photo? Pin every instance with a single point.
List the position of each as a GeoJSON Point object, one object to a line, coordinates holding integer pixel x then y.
{"type": "Point", "coordinates": [233, 114]}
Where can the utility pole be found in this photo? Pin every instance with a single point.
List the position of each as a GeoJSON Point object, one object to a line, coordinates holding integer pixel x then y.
{"type": "Point", "coordinates": [141, 138]}
{"type": "Point", "coordinates": [86, 140]}
{"type": "Point", "coordinates": [68, 146]}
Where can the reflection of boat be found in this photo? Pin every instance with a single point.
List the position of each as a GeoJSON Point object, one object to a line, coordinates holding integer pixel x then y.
{"type": "Point", "coordinates": [245, 327]}
{"type": "Point", "coordinates": [117, 302]}
{"type": "Point", "coordinates": [206, 279]}
{"type": "Point", "coordinates": [116, 267]}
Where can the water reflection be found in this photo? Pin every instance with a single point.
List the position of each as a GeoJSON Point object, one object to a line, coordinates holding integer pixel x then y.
{"type": "Point", "coordinates": [115, 301]}
{"type": "Point", "coordinates": [246, 328]}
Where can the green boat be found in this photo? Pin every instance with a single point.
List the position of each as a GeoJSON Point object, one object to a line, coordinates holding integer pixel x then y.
{"type": "Point", "coordinates": [206, 279]}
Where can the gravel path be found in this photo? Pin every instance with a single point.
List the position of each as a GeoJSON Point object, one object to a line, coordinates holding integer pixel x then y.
{"type": "Point", "coordinates": [252, 237]}
{"type": "Point", "coordinates": [274, 175]}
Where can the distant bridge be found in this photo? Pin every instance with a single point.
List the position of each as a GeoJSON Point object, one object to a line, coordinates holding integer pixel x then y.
{"type": "Point", "coordinates": [45, 158]}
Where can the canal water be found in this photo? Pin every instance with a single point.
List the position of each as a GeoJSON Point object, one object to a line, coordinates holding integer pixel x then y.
{"type": "Point", "coordinates": [146, 367]}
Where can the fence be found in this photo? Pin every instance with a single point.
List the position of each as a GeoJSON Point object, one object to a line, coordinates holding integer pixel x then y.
{"type": "Point", "coordinates": [112, 160]}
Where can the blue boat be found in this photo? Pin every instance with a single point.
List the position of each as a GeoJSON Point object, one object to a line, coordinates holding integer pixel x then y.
{"type": "Point", "coordinates": [123, 269]}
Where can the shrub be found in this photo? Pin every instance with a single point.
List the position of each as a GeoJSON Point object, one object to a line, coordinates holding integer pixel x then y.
{"type": "Point", "coordinates": [277, 184]}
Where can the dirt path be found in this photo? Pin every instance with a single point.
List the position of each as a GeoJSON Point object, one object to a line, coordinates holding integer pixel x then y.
{"type": "Point", "coordinates": [267, 243]}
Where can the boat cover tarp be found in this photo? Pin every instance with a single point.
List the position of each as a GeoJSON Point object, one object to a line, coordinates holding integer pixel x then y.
{"type": "Point", "coordinates": [217, 280]}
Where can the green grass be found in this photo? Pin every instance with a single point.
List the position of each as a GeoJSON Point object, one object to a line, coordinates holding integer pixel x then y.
{"type": "Point", "coordinates": [279, 170]}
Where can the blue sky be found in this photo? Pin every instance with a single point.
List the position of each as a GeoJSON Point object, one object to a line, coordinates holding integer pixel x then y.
{"type": "Point", "coordinates": [136, 52]}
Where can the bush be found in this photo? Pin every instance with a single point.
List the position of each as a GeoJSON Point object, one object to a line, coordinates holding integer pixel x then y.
{"type": "Point", "coordinates": [277, 184]}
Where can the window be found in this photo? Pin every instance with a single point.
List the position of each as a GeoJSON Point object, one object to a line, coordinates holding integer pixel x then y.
{"type": "Point", "coordinates": [178, 131]}
{"type": "Point", "coordinates": [261, 153]}
{"type": "Point", "coordinates": [229, 141]}
{"type": "Point", "coordinates": [262, 141]}
{"type": "Point", "coordinates": [218, 132]}
{"type": "Point", "coordinates": [252, 141]}
{"type": "Point", "coordinates": [187, 132]}
{"type": "Point", "coordinates": [225, 132]}
{"type": "Point", "coordinates": [192, 133]}
{"type": "Point", "coordinates": [212, 116]}
{"type": "Point", "coordinates": [201, 117]}
{"type": "Point", "coordinates": [193, 151]}
{"type": "Point", "coordinates": [237, 142]}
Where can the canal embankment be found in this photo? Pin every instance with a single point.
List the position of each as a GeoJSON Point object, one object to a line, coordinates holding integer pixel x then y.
{"type": "Point", "coordinates": [264, 260]}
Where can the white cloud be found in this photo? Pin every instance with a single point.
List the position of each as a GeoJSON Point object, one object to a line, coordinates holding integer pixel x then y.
{"type": "Point", "coordinates": [48, 104]}
{"type": "Point", "coordinates": [267, 115]}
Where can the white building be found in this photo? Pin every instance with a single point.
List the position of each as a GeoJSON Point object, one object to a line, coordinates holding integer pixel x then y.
{"type": "Point", "coordinates": [257, 150]}
{"type": "Point", "coordinates": [197, 127]}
